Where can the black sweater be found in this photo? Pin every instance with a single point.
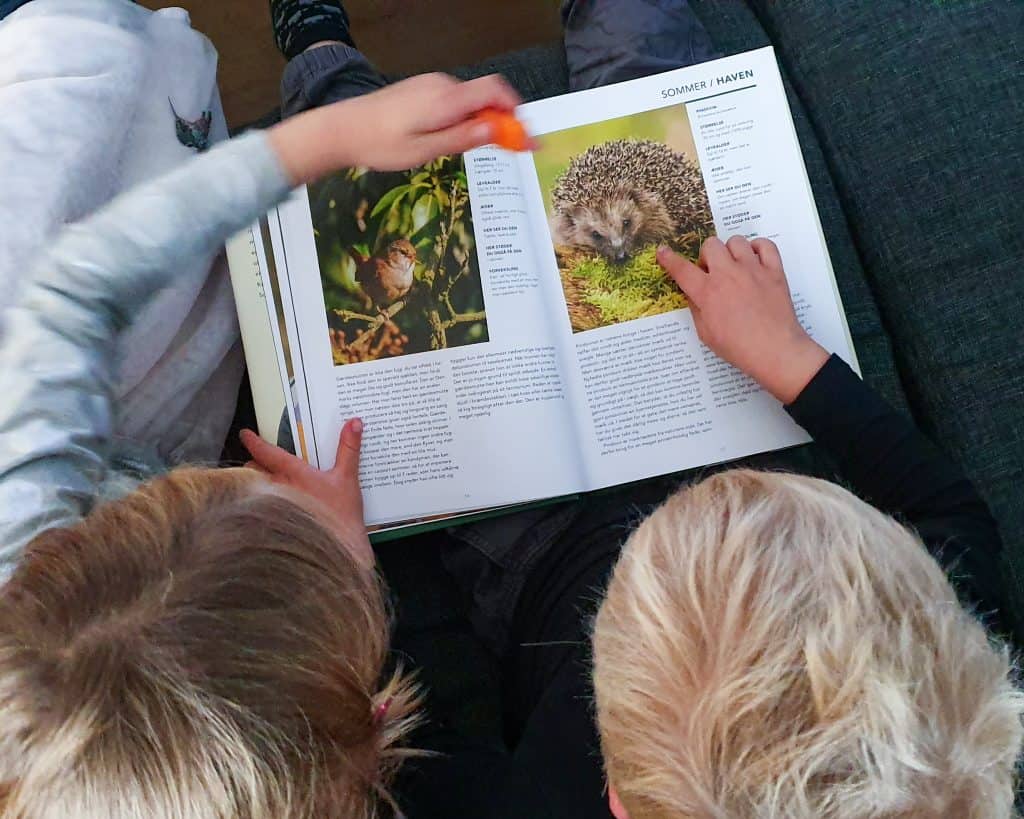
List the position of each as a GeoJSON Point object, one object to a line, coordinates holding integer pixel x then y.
{"type": "Point", "coordinates": [555, 767]}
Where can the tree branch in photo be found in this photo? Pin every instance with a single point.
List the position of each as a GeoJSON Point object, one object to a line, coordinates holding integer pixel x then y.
{"type": "Point", "coordinates": [351, 315]}
{"type": "Point", "coordinates": [465, 318]}
{"type": "Point", "coordinates": [375, 322]}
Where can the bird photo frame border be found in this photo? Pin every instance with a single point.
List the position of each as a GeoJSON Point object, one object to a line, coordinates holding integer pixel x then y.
{"type": "Point", "coordinates": [398, 261]}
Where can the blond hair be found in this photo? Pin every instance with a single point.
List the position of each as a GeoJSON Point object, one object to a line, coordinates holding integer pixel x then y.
{"type": "Point", "coordinates": [204, 647]}
{"type": "Point", "coordinates": [772, 647]}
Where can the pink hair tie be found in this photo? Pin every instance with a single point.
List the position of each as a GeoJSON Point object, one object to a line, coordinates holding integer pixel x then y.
{"type": "Point", "coordinates": [381, 711]}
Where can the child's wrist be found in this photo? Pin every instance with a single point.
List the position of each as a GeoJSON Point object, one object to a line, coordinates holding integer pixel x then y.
{"type": "Point", "coordinates": [286, 139]}
{"type": "Point", "coordinates": [794, 368]}
{"type": "Point", "coordinates": [336, 138]}
{"type": "Point", "coordinates": [308, 147]}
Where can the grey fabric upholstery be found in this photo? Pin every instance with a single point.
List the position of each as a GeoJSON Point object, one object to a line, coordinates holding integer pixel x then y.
{"type": "Point", "coordinates": [919, 108]}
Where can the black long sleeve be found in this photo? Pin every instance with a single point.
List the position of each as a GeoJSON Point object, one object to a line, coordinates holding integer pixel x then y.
{"type": "Point", "coordinates": [884, 459]}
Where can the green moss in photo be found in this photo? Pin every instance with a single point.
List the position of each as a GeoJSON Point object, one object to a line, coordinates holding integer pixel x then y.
{"type": "Point", "coordinates": [637, 289]}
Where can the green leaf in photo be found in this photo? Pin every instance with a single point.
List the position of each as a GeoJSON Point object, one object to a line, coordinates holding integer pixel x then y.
{"type": "Point", "coordinates": [389, 199]}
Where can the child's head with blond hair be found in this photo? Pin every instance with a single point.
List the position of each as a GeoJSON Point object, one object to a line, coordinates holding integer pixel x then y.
{"type": "Point", "coordinates": [771, 647]}
{"type": "Point", "coordinates": [204, 647]}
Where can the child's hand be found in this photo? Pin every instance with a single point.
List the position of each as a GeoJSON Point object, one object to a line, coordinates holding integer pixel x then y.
{"type": "Point", "coordinates": [424, 117]}
{"type": "Point", "coordinates": [743, 311]}
{"type": "Point", "coordinates": [336, 493]}
{"type": "Point", "coordinates": [396, 128]}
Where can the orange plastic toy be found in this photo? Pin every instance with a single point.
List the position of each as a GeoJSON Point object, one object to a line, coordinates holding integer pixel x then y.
{"type": "Point", "coordinates": [509, 132]}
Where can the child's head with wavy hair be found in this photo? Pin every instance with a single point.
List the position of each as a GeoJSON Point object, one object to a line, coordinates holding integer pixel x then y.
{"type": "Point", "coordinates": [206, 646]}
{"type": "Point", "coordinates": [771, 647]}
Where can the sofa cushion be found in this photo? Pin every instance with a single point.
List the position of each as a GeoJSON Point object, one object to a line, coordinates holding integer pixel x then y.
{"type": "Point", "coordinates": [918, 108]}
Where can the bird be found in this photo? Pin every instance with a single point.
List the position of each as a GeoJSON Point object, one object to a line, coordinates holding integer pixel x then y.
{"type": "Point", "coordinates": [385, 279]}
{"type": "Point", "coordinates": [193, 133]}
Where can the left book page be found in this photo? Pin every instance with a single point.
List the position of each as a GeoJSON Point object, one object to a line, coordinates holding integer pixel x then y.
{"type": "Point", "coordinates": [264, 354]}
{"type": "Point", "coordinates": [412, 301]}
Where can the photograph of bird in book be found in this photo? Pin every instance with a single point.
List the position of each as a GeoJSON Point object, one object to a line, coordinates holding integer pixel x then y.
{"type": "Point", "coordinates": [398, 261]}
{"type": "Point", "coordinates": [614, 191]}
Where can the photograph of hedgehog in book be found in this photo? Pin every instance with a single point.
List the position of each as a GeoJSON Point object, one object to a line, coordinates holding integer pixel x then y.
{"type": "Point", "coordinates": [398, 261]}
{"type": "Point", "coordinates": [615, 191]}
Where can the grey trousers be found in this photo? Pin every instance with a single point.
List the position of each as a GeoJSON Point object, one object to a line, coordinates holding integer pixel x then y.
{"type": "Point", "coordinates": [606, 41]}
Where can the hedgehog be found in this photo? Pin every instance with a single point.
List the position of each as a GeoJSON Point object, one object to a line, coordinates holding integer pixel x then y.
{"type": "Point", "coordinates": [620, 196]}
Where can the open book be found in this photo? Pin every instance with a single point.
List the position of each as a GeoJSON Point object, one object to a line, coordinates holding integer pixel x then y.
{"type": "Point", "coordinates": [498, 320]}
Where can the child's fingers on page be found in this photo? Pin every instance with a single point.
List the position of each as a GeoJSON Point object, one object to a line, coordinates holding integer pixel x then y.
{"type": "Point", "coordinates": [350, 443]}
{"type": "Point", "coordinates": [270, 458]}
{"type": "Point", "coordinates": [768, 253]}
{"type": "Point", "coordinates": [740, 249]}
{"type": "Point", "coordinates": [690, 278]}
{"type": "Point", "coordinates": [714, 253]}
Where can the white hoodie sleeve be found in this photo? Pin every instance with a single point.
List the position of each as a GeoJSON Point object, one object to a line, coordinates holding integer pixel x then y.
{"type": "Point", "coordinates": [57, 358]}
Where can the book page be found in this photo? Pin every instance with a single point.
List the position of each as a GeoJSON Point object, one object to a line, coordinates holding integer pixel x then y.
{"type": "Point", "coordinates": [670, 159]}
{"type": "Point", "coordinates": [413, 301]}
{"type": "Point", "coordinates": [263, 359]}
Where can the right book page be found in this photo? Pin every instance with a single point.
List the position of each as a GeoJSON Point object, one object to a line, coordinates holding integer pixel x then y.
{"type": "Point", "coordinates": [670, 159]}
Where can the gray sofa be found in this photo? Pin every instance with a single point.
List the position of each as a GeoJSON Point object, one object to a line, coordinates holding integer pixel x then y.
{"type": "Point", "coordinates": [911, 120]}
